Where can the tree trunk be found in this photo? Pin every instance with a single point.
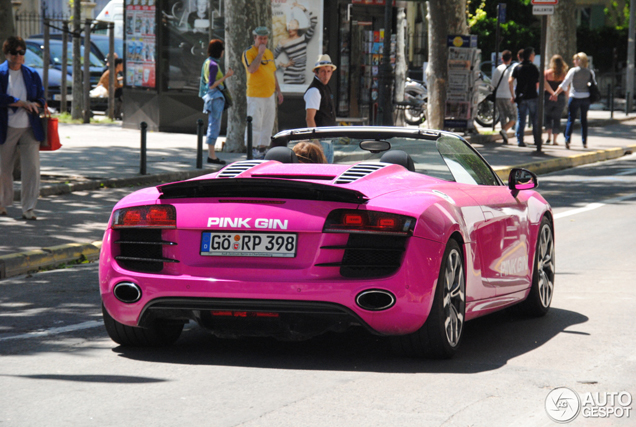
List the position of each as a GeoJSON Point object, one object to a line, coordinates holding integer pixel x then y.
{"type": "Point", "coordinates": [561, 38]}
{"type": "Point", "coordinates": [78, 83]}
{"type": "Point", "coordinates": [444, 17]}
{"type": "Point", "coordinates": [6, 23]}
{"type": "Point", "coordinates": [241, 17]}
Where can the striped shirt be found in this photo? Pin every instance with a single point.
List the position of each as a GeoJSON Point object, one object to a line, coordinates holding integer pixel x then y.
{"type": "Point", "coordinates": [296, 51]}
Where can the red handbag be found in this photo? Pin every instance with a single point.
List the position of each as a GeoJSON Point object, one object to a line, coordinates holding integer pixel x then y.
{"type": "Point", "coordinates": [51, 140]}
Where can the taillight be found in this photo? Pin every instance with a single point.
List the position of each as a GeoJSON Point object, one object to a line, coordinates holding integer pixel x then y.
{"type": "Point", "coordinates": [157, 216]}
{"type": "Point", "coordinates": [358, 221]}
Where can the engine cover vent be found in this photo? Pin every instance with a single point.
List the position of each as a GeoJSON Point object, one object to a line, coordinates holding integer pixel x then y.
{"type": "Point", "coordinates": [359, 171]}
{"type": "Point", "coordinates": [235, 169]}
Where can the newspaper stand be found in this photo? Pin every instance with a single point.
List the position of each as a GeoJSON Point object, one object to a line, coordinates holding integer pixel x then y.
{"type": "Point", "coordinates": [463, 73]}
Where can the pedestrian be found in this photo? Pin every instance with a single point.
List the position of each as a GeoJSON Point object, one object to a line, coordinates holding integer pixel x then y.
{"type": "Point", "coordinates": [308, 152]}
{"type": "Point", "coordinates": [212, 82]}
{"type": "Point", "coordinates": [262, 91]}
{"type": "Point", "coordinates": [553, 109]}
{"type": "Point", "coordinates": [577, 80]}
{"type": "Point", "coordinates": [505, 107]}
{"type": "Point", "coordinates": [526, 76]}
{"type": "Point", "coordinates": [21, 97]}
{"type": "Point", "coordinates": [104, 81]}
{"type": "Point", "coordinates": [319, 102]}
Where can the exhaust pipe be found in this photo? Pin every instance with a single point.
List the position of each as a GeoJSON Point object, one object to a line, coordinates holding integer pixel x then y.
{"type": "Point", "coordinates": [375, 300]}
{"type": "Point", "coordinates": [127, 292]}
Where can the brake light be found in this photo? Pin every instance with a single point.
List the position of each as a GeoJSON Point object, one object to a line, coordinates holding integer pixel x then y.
{"type": "Point", "coordinates": [369, 222]}
{"type": "Point", "coordinates": [352, 219]}
{"type": "Point", "coordinates": [153, 216]}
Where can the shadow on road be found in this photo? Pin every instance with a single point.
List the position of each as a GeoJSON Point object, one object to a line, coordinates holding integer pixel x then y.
{"type": "Point", "coordinates": [489, 343]}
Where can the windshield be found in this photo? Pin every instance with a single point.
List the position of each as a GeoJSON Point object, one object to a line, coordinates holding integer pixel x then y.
{"type": "Point", "coordinates": [448, 157]}
{"type": "Point", "coordinates": [32, 60]}
{"type": "Point", "coordinates": [104, 45]}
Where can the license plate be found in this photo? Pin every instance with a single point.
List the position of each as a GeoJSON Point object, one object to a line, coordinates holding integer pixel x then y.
{"type": "Point", "coordinates": [58, 97]}
{"type": "Point", "coordinates": [278, 245]}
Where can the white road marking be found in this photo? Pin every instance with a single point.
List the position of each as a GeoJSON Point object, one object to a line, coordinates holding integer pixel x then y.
{"type": "Point", "coordinates": [627, 172]}
{"type": "Point", "coordinates": [55, 331]}
{"type": "Point", "coordinates": [593, 206]}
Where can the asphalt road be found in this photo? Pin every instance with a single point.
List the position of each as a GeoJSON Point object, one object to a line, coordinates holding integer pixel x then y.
{"type": "Point", "coordinates": [59, 368]}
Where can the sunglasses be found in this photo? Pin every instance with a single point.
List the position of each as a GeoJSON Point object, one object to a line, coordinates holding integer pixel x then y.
{"type": "Point", "coordinates": [18, 52]}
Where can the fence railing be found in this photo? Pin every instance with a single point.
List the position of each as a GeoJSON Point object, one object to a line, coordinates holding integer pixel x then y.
{"type": "Point", "coordinates": [30, 23]}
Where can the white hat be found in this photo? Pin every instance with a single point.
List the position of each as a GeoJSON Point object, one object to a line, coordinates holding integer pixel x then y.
{"type": "Point", "coordinates": [324, 61]}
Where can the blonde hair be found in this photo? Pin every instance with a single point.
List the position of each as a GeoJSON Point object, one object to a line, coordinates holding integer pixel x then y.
{"type": "Point", "coordinates": [308, 152]}
{"type": "Point", "coordinates": [582, 57]}
{"type": "Point", "coordinates": [558, 66]}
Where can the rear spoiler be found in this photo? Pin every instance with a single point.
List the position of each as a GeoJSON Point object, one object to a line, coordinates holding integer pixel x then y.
{"type": "Point", "coordinates": [261, 189]}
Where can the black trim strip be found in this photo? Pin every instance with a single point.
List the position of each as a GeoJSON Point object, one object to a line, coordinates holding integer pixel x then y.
{"type": "Point", "coordinates": [260, 188]}
{"type": "Point", "coordinates": [340, 264]}
{"type": "Point", "coordinates": [363, 249]}
{"type": "Point", "coordinates": [129, 242]}
{"type": "Point", "coordinates": [131, 258]}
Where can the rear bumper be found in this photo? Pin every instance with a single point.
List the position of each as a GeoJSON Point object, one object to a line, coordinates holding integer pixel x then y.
{"type": "Point", "coordinates": [280, 291]}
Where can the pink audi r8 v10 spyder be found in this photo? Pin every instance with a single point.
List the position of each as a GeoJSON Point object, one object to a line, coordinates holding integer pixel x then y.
{"type": "Point", "coordinates": [409, 234]}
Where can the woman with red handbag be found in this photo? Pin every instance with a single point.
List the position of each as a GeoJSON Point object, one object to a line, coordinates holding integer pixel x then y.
{"type": "Point", "coordinates": [21, 95]}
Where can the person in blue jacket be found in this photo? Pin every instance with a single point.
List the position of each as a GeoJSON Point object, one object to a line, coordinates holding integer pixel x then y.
{"type": "Point", "coordinates": [21, 98]}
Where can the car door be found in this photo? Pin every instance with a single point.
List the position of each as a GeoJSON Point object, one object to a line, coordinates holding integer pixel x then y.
{"type": "Point", "coordinates": [502, 238]}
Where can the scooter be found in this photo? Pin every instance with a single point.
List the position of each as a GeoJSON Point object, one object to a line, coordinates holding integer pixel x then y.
{"type": "Point", "coordinates": [416, 94]}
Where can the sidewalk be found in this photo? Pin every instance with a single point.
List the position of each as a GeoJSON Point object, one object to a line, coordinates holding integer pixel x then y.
{"type": "Point", "coordinates": [69, 228]}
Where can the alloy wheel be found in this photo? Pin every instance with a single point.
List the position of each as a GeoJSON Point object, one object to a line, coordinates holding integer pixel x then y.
{"type": "Point", "coordinates": [454, 298]}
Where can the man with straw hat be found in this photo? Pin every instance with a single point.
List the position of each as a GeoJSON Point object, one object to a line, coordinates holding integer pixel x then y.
{"type": "Point", "coordinates": [319, 103]}
{"type": "Point", "coordinates": [262, 87]}
{"type": "Point", "coordinates": [318, 98]}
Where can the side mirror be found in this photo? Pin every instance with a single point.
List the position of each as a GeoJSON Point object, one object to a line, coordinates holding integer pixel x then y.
{"type": "Point", "coordinates": [522, 179]}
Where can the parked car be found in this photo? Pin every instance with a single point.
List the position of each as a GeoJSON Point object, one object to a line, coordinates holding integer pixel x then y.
{"type": "Point", "coordinates": [100, 44]}
{"type": "Point", "coordinates": [55, 47]}
{"type": "Point", "coordinates": [409, 235]}
{"type": "Point", "coordinates": [55, 78]}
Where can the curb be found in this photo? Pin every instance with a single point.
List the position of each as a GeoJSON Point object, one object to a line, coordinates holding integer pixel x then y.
{"type": "Point", "coordinates": [55, 189]}
{"type": "Point", "coordinates": [561, 163]}
{"type": "Point", "coordinates": [25, 262]}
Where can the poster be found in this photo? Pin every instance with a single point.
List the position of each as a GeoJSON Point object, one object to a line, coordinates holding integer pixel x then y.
{"type": "Point", "coordinates": [188, 27]}
{"type": "Point", "coordinates": [297, 40]}
{"type": "Point", "coordinates": [141, 42]}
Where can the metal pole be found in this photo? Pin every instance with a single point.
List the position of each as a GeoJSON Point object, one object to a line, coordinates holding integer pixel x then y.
{"type": "Point", "coordinates": [611, 99]}
{"type": "Point", "coordinates": [544, 31]}
{"type": "Point", "coordinates": [142, 165]}
{"type": "Point", "coordinates": [631, 45]}
{"type": "Point", "coordinates": [494, 107]}
{"type": "Point", "coordinates": [249, 138]}
{"type": "Point", "coordinates": [87, 70]}
{"type": "Point", "coordinates": [64, 71]}
{"type": "Point", "coordinates": [385, 103]}
{"type": "Point", "coordinates": [45, 71]}
{"type": "Point", "coordinates": [112, 75]}
{"type": "Point", "coordinates": [199, 143]}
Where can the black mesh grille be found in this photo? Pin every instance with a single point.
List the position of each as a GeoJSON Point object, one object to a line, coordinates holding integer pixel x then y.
{"type": "Point", "coordinates": [369, 256]}
{"type": "Point", "coordinates": [140, 250]}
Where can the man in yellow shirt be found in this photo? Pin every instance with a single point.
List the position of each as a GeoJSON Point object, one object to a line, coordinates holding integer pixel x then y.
{"type": "Point", "coordinates": [262, 88]}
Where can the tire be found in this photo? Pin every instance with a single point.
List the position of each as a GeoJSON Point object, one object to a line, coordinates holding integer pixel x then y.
{"type": "Point", "coordinates": [159, 335]}
{"type": "Point", "coordinates": [539, 299]}
{"type": "Point", "coordinates": [485, 111]}
{"type": "Point", "coordinates": [441, 334]}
